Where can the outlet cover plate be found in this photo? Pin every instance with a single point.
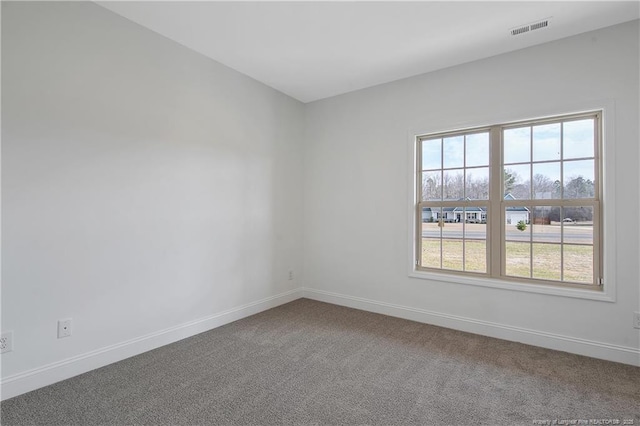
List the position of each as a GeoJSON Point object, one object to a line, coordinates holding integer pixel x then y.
{"type": "Point", "coordinates": [64, 328]}
{"type": "Point", "coordinates": [6, 342]}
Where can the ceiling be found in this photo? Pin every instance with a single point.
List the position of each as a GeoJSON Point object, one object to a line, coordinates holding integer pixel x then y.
{"type": "Point", "coordinates": [313, 50]}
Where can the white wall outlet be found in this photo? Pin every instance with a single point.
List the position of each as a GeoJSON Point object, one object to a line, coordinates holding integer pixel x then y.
{"type": "Point", "coordinates": [64, 328]}
{"type": "Point", "coordinates": [636, 320]}
{"type": "Point", "coordinates": [6, 342]}
{"type": "Point", "coordinates": [290, 275]}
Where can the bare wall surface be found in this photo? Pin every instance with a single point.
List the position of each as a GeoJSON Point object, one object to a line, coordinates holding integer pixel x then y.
{"type": "Point", "coordinates": [143, 185]}
{"type": "Point", "coordinates": [357, 169]}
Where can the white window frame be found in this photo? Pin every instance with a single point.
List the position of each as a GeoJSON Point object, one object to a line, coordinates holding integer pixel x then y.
{"type": "Point", "coordinates": [607, 291]}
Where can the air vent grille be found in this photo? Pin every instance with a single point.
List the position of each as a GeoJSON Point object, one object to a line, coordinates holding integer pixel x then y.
{"type": "Point", "coordinates": [520, 30]}
{"type": "Point", "coordinates": [539, 25]}
{"type": "Point", "coordinates": [529, 27]}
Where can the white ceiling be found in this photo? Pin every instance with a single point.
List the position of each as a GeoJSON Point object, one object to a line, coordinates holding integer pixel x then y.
{"type": "Point", "coordinates": [313, 50]}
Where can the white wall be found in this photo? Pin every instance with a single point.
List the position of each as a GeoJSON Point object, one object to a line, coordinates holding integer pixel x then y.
{"type": "Point", "coordinates": [148, 191]}
{"type": "Point", "coordinates": [144, 186]}
{"type": "Point", "coordinates": [357, 169]}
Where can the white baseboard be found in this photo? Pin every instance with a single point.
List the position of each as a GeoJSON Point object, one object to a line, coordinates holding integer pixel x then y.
{"type": "Point", "coordinates": [42, 376]}
{"type": "Point", "coordinates": [39, 377]}
{"type": "Point", "coordinates": [606, 351]}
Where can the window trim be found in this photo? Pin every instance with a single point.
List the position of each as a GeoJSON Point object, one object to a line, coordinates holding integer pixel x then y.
{"type": "Point", "coordinates": [606, 292]}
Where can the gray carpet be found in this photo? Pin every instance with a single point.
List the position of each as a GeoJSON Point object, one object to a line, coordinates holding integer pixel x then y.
{"type": "Point", "coordinates": [308, 362]}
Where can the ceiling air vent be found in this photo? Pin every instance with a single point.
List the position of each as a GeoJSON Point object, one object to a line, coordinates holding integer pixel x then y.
{"type": "Point", "coordinates": [529, 27]}
{"type": "Point", "coordinates": [520, 30]}
{"type": "Point", "coordinates": [539, 25]}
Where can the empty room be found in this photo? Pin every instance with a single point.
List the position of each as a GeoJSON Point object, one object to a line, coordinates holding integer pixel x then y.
{"type": "Point", "coordinates": [265, 213]}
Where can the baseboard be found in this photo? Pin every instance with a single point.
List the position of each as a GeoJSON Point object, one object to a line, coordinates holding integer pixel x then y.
{"type": "Point", "coordinates": [609, 352]}
{"type": "Point", "coordinates": [39, 377]}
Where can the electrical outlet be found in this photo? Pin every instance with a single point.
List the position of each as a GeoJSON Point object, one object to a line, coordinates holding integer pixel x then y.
{"type": "Point", "coordinates": [6, 342]}
{"type": "Point", "coordinates": [64, 328]}
{"type": "Point", "coordinates": [636, 320]}
{"type": "Point", "coordinates": [290, 275]}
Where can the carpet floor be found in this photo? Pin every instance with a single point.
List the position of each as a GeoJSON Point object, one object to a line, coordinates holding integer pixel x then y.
{"type": "Point", "coordinates": [312, 363]}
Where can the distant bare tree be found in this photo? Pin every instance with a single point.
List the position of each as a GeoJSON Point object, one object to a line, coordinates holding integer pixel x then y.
{"type": "Point", "coordinates": [516, 185]}
{"type": "Point", "coordinates": [579, 187]}
{"type": "Point", "coordinates": [477, 188]}
{"type": "Point", "coordinates": [453, 185]}
{"type": "Point", "coordinates": [543, 187]}
{"type": "Point", "coordinates": [431, 186]}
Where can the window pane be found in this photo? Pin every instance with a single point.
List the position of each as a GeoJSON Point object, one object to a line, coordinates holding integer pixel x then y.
{"type": "Point", "coordinates": [477, 146]}
{"type": "Point", "coordinates": [577, 225]}
{"type": "Point", "coordinates": [431, 253]}
{"type": "Point", "coordinates": [431, 187]}
{"type": "Point", "coordinates": [453, 229]}
{"type": "Point", "coordinates": [452, 254]}
{"type": "Point", "coordinates": [517, 220]}
{"type": "Point", "coordinates": [453, 152]}
{"type": "Point", "coordinates": [578, 139]}
{"type": "Point", "coordinates": [475, 244]}
{"type": "Point", "coordinates": [546, 142]}
{"type": "Point", "coordinates": [518, 259]}
{"type": "Point", "coordinates": [431, 154]}
{"type": "Point", "coordinates": [431, 232]}
{"type": "Point", "coordinates": [453, 188]}
{"type": "Point", "coordinates": [452, 239]}
{"type": "Point", "coordinates": [475, 256]}
{"type": "Point", "coordinates": [546, 181]}
{"type": "Point", "coordinates": [516, 181]}
{"type": "Point", "coordinates": [578, 263]}
{"type": "Point", "coordinates": [431, 222]}
{"type": "Point", "coordinates": [477, 183]}
{"type": "Point", "coordinates": [517, 145]}
{"type": "Point", "coordinates": [431, 216]}
{"type": "Point", "coordinates": [543, 228]}
{"type": "Point", "coordinates": [579, 177]}
{"type": "Point", "coordinates": [547, 260]}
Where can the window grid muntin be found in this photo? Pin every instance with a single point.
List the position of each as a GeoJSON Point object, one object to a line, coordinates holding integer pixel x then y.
{"type": "Point", "coordinates": [441, 205]}
{"type": "Point", "coordinates": [496, 171]}
{"type": "Point", "coordinates": [557, 203]}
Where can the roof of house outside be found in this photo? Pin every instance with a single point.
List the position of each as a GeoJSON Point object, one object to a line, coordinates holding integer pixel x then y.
{"type": "Point", "coordinates": [508, 197]}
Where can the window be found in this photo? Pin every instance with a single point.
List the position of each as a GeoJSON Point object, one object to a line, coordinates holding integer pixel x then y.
{"type": "Point", "coordinates": [517, 202]}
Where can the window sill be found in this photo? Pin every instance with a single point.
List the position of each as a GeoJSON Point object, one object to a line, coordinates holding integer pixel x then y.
{"type": "Point", "coordinates": [514, 286]}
